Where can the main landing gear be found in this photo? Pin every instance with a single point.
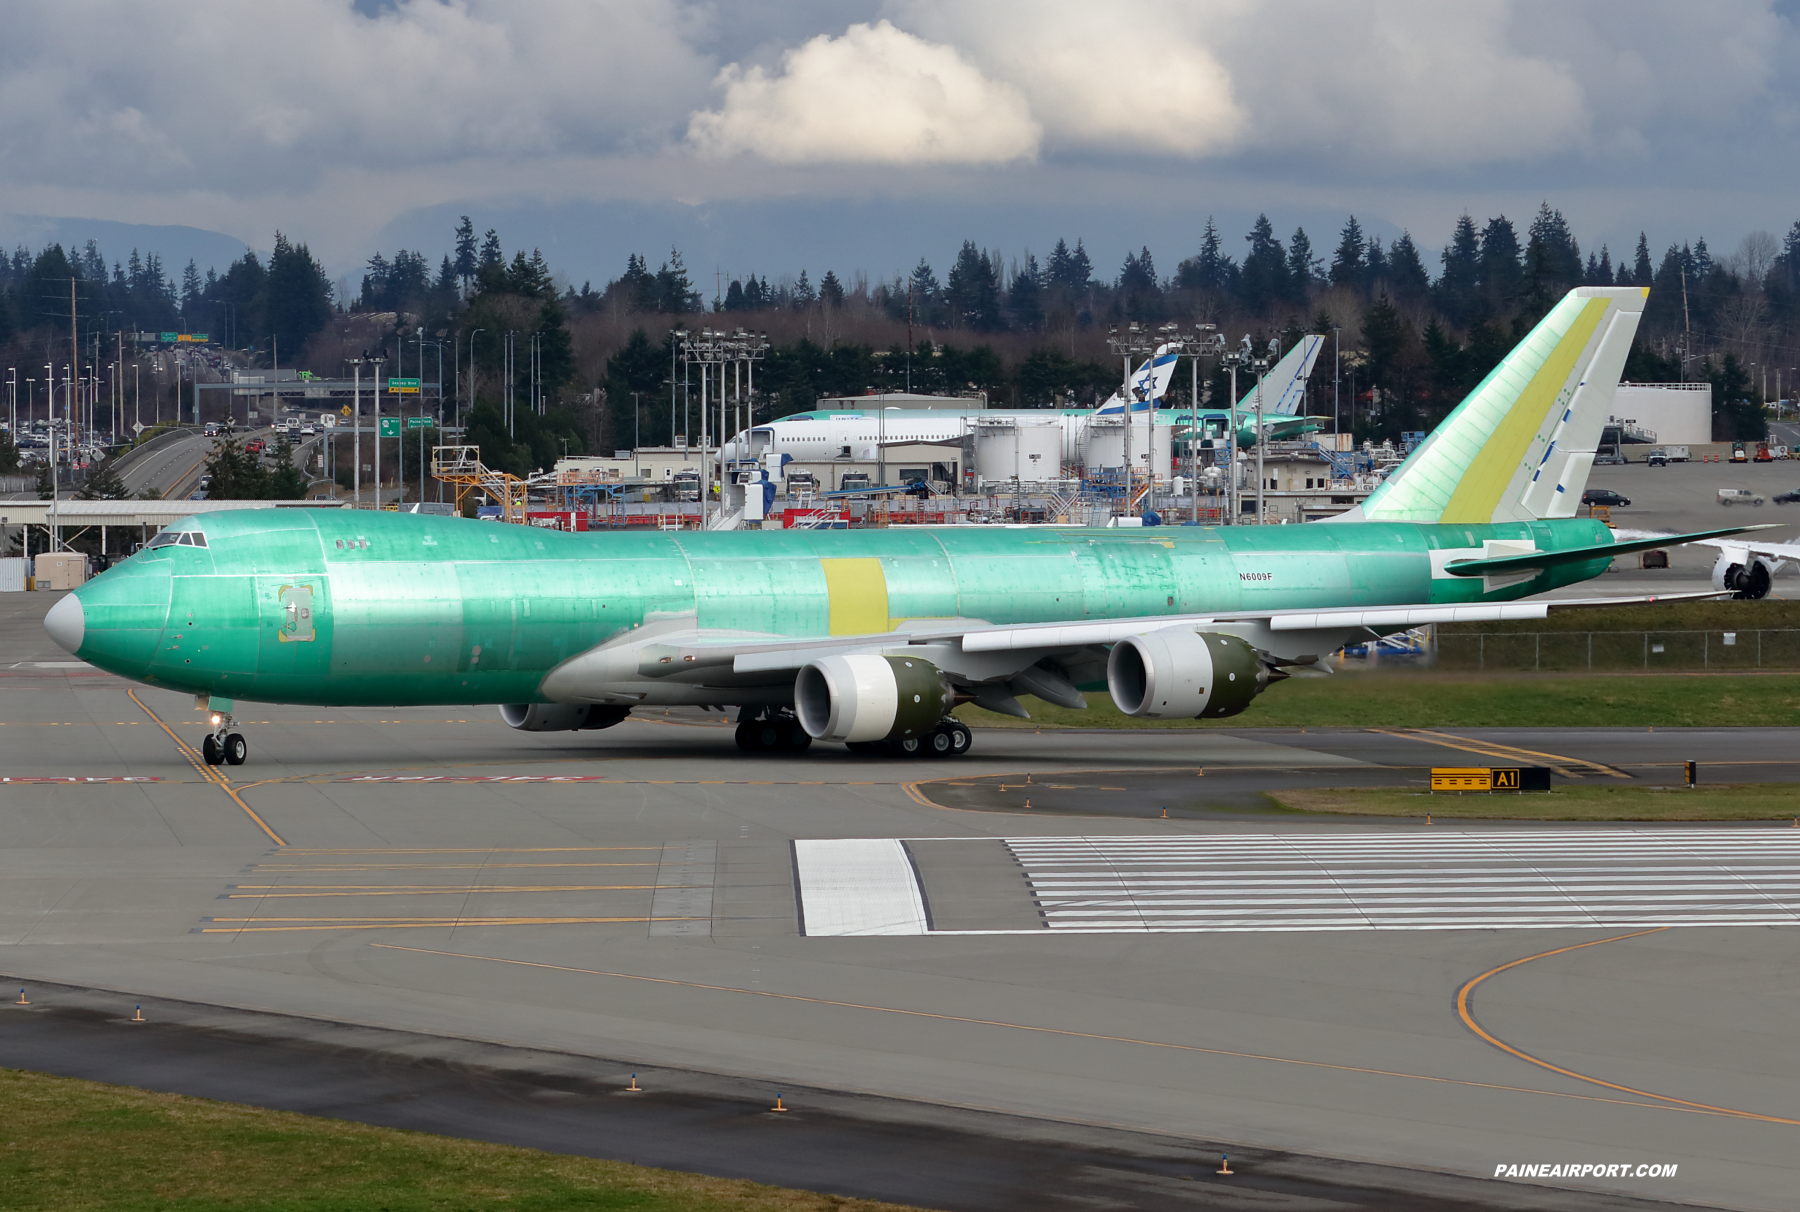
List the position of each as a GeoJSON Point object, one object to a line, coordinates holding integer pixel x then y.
{"type": "Point", "coordinates": [771, 732]}
{"type": "Point", "coordinates": [951, 738]}
{"type": "Point", "coordinates": [224, 747]}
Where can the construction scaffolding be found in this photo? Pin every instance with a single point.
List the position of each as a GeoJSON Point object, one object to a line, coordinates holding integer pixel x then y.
{"type": "Point", "coordinates": [462, 468]}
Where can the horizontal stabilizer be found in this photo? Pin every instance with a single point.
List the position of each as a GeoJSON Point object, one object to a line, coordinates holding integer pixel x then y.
{"type": "Point", "coordinates": [1499, 565]}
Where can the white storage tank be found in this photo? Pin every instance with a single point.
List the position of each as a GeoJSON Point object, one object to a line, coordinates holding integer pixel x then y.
{"type": "Point", "coordinates": [1026, 449]}
{"type": "Point", "coordinates": [1152, 446]}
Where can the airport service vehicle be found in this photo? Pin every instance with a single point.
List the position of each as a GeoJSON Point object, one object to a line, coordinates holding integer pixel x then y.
{"type": "Point", "coordinates": [1656, 458]}
{"type": "Point", "coordinates": [871, 637]}
{"type": "Point", "coordinates": [1762, 454]}
{"type": "Point", "coordinates": [1739, 496]}
{"type": "Point", "coordinates": [1604, 496]}
{"type": "Point", "coordinates": [1738, 456]}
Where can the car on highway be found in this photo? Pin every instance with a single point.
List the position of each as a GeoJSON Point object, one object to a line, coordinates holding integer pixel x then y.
{"type": "Point", "coordinates": [255, 446]}
{"type": "Point", "coordinates": [211, 429]}
{"type": "Point", "coordinates": [1790, 497]}
{"type": "Point", "coordinates": [1604, 496]}
{"type": "Point", "coordinates": [1739, 496]}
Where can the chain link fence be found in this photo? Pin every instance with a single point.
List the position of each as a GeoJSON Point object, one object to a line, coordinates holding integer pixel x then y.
{"type": "Point", "coordinates": [1567, 651]}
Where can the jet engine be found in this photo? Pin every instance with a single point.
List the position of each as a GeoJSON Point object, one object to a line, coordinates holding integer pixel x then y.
{"type": "Point", "coordinates": [862, 697]}
{"type": "Point", "coordinates": [1745, 575]}
{"type": "Point", "coordinates": [1175, 674]}
{"type": "Point", "coordinates": [560, 717]}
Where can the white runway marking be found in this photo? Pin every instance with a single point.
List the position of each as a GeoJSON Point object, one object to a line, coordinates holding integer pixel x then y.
{"type": "Point", "coordinates": [1416, 881]}
{"type": "Point", "coordinates": [857, 886]}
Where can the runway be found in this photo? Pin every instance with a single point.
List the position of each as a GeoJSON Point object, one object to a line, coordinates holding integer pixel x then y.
{"type": "Point", "coordinates": [637, 900]}
{"type": "Point", "coordinates": [1441, 880]}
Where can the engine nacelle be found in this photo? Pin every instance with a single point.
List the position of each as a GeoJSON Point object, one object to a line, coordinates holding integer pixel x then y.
{"type": "Point", "coordinates": [1176, 674]}
{"type": "Point", "coordinates": [863, 697]}
{"type": "Point", "coordinates": [1744, 575]}
{"type": "Point", "coordinates": [560, 717]}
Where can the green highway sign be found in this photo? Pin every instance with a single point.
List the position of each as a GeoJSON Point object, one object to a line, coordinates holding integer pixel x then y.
{"type": "Point", "coordinates": [407, 386]}
{"type": "Point", "coordinates": [169, 338]}
{"type": "Point", "coordinates": [418, 422]}
{"type": "Point", "coordinates": [390, 427]}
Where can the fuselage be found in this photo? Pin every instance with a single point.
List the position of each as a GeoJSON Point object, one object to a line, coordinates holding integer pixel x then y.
{"type": "Point", "coordinates": [359, 608]}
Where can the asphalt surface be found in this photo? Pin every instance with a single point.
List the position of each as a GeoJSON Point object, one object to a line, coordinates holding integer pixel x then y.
{"type": "Point", "coordinates": [627, 900]}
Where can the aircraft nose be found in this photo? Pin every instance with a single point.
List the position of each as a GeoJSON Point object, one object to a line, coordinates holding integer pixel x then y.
{"type": "Point", "coordinates": [67, 624]}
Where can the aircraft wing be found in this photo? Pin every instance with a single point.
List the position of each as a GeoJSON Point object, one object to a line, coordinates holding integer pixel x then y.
{"type": "Point", "coordinates": [1773, 551]}
{"type": "Point", "coordinates": [748, 654]}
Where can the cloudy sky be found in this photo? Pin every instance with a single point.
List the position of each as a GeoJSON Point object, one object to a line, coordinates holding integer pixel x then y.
{"type": "Point", "coordinates": [767, 137]}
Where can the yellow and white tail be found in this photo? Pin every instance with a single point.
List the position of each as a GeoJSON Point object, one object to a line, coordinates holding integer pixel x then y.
{"type": "Point", "coordinates": [1522, 443]}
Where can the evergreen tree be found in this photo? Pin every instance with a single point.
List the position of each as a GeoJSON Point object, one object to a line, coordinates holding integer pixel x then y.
{"type": "Point", "coordinates": [973, 290]}
{"type": "Point", "coordinates": [284, 481]}
{"type": "Point", "coordinates": [103, 484]}
{"type": "Point", "coordinates": [1210, 269]}
{"type": "Point", "coordinates": [1347, 263]}
{"type": "Point", "coordinates": [467, 261]}
{"type": "Point", "coordinates": [1378, 265]}
{"type": "Point", "coordinates": [1264, 278]}
{"type": "Point", "coordinates": [1303, 269]}
{"type": "Point", "coordinates": [831, 291]}
{"type": "Point", "coordinates": [803, 292]}
{"type": "Point", "coordinates": [236, 475]}
{"type": "Point", "coordinates": [1025, 297]}
{"type": "Point", "coordinates": [1070, 270]}
{"type": "Point", "coordinates": [1502, 276]}
{"type": "Point", "coordinates": [490, 250]}
{"type": "Point", "coordinates": [924, 285]}
{"type": "Point", "coordinates": [1139, 295]}
{"type": "Point", "coordinates": [1406, 270]}
{"type": "Point", "coordinates": [191, 291]}
{"type": "Point", "coordinates": [1456, 289]}
{"type": "Point", "coordinates": [299, 295]}
{"type": "Point", "coordinates": [675, 293]}
{"type": "Point", "coordinates": [1642, 273]}
{"type": "Point", "coordinates": [1552, 257]}
{"type": "Point", "coordinates": [1383, 336]}
{"type": "Point", "coordinates": [734, 295]}
{"type": "Point", "coordinates": [637, 285]}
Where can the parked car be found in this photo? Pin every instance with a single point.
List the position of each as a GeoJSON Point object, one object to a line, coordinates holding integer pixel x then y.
{"type": "Point", "coordinates": [1790, 497]}
{"type": "Point", "coordinates": [1604, 496]}
{"type": "Point", "coordinates": [1739, 496]}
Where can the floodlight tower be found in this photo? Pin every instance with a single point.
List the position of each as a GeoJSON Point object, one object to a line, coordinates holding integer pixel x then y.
{"type": "Point", "coordinates": [1231, 360]}
{"type": "Point", "coordinates": [1261, 366]}
{"type": "Point", "coordinates": [1126, 345]}
{"type": "Point", "coordinates": [1204, 343]}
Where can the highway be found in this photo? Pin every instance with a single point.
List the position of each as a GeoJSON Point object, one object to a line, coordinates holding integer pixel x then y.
{"type": "Point", "coordinates": [647, 899]}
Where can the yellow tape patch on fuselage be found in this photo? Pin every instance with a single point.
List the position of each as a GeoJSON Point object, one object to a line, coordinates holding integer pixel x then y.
{"type": "Point", "coordinates": [857, 590]}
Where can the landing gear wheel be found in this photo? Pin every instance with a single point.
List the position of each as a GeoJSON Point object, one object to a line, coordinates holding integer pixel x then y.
{"type": "Point", "coordinates": [209, 749]}
{"type": "Point", "coordinates": [746, 736]}
{"type": "Point", "coordinates": [960, 737]}
{"type": "Point", "coordinates": [907, 746]}
{"type": "Point", "coordinates": [795, 738]}
{"type": "Point", "coordinates": [937, 743]}
{"type": "Point", "coordinates": [236, 750]}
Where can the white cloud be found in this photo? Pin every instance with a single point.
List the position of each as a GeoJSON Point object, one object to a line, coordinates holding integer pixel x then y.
{"type": "Point", "coordinates": [1134, 76]}
{"type": "Point", "coordinates": [876, 95]}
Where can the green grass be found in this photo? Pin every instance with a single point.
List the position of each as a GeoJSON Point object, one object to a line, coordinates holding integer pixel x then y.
{"type": "Point", "coordinates": [1597, 802]}
{"type": "Point", "coordinates": [1444, 700]}
{"type": "Point", "coordinates": [70, 1144]}
{"type": "Point", "coordinates": [1717, 615]}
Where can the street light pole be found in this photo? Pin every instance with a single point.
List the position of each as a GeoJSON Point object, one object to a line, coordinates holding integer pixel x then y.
{"type": "Point", "coordinates": [1261, 366]}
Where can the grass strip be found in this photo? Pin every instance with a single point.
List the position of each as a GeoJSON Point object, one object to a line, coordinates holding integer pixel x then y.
{"type": "Point", "coordinates": [72, 1144]}
{"type": "Point", "coordinates": [1444, 700]}
{"type": "Point", "coordinates": [1725, 802]}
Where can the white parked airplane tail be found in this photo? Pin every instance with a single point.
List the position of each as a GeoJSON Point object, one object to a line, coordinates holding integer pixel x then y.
{"type": "Point", "coordinates": [1152, 379]}
{"type": "Point", "coordinates": [1284, 386]}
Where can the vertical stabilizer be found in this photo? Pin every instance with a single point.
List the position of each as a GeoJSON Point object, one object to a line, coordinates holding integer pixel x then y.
{"type": "Point", "coordinates": [1284, 387]}
{"type": "Point", "coordinates": [1520, 446]}
{"type": "Point", "coordinates": [1152, 379]}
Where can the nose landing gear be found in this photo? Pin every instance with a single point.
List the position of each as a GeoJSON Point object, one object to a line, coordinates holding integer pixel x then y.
{"type": "Point", "coordinates": [223, 746]}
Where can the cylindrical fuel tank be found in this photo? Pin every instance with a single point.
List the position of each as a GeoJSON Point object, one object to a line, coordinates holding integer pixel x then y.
{"type": "Point", "coordinates": [1008, 448]}
{"type": "Point", "coordinates": [1152, 445]}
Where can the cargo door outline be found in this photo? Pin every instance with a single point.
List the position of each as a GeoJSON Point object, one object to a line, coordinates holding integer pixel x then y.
{"type": "Point", "coordinates": [296, 602]}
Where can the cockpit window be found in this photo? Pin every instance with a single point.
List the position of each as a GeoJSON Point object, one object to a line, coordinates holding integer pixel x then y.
{"type": "Point", "coordinates": [164, 538]}
{"type": "Point", "coordinates": [185, 538]}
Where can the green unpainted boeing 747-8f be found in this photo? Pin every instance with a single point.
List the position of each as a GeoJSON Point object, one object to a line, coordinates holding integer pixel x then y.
{"type": "Point", "coordinates": [870, 637]}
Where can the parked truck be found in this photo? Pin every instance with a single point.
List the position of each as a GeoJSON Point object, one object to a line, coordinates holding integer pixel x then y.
{"type": "Point", "coordinates": [1662, 456]}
